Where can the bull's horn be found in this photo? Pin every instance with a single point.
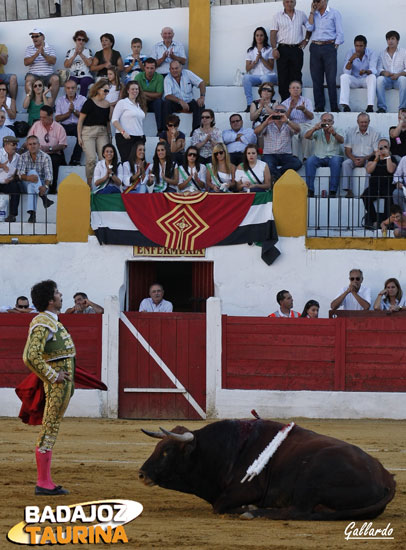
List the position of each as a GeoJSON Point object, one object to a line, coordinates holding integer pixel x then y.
{"type": "Point", "coordinates": [157, 435]}
{"type": "Point", "coordinates": [187, 436]}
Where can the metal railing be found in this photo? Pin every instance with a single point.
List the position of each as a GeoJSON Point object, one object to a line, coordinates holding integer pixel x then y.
{"type": "Point", "coordinates": [45, 223]}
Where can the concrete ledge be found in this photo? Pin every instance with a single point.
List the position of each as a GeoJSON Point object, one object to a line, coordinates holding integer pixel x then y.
{"type": "Point", "coordinates": [354, 243]}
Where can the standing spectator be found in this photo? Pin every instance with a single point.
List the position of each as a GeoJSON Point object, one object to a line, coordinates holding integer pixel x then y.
{"type": "Point", "coordinates": [134, 62]}
{"type": "Point", "coordinates": [135, 171]}
{"type": "Point", "coordinates": [84, 305]}
{"type": "Point", "coordinates": [277, 130]}
{"type": "Point", "coordinates": [52, 139]}
{"type": "Point", "coordinates": [399, 178]}
{"type": "Point", "coordinates": [237, 138]}
{"type": "Point", "coordinates": [207, 136]}
{"type": "Point", "coordinates": [380, 167]}
{"type": "Point", "coordinates": [106, 57]}
{"type": "Point", "coordinates": [106, 178]}
{"type": "Point", "coordinates": [220, 173]}
{"type": "Point", "coordinates": [128, 118]}
{"type": "Point", "coordinates": [311, 310]}
{"type": "Point", "coordinates": [327, 152]}
{"type": "Point", "coordinates": [285, 301]}
{"type": "Point", "coordinates": [7, 104]}
{"type": "Point", "coordinates": [168, 50]}
{"type": "Point", "coordinates": [67, 111]}
{"type": "Point", "coordinates": [34, 169]}
{"type": "Point", "coordinates": [288, 42]}
{"type": "Point", "coordinates": [9, 182]}
{"type": "Point", "coordinates": [259, 65]}
{"type": "Point", "coordinates": [391, 297]}
{"type": "Point", "coordinates": [163, 176]}
{"type": "Point", "coordinates": [327, 34]}
{"type": "Point", "coordinates": [7, 78]}
{"type": "Point", "coordinates": [360, 143]}
{"type": "Point", "coordinates": [4, 130]}
{"type": "Point", "coordinates": [397, 136]}
{"type": "Point", "coordinates": [156, 302]}
{"type": "Point", "coordinates": [152, 85]}
{"type": "Point", "coordinates": [36, 98]}
{"type": "Point", "coordinates": [354, 297]}
{"type": "Point", "coordinates": [299, 110]}
{"type": "Point", "coordinates": [359, 72]}
{"type": "Point", "coordinates": [178, 91]}
{"type": "Point", "coordinates": [252, 174]}
{"type": "Point", "coordinates": [79, 60]}
{"type": "Point", "coordinates": [192, 174]}
{"type": "Point", "coordinates": [41, 58]}
{"type": "Point", "coordinates": [174, 138]}
{"type": "Point", "coordinates": [94, 125]}
{"type": "Point", "coordinates": [391, 71]}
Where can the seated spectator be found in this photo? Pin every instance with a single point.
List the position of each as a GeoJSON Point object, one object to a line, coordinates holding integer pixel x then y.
{"type": "Point", "coordinates": [152, 85]}
{"type": "Point", "coordinates": [299, 110]}
{"type": "Point", "coordinates": [178, 92]}
{"type": "Point", "coordinates": [84, 305]}
{"type": "Point", "coordinates": [40, 58]}
{"type": "Point", "coordinates": [359, 72]}
{"type": "Point", "coordinates": [311, 310]}
{"type": "Point", "coordinates": [106, 57]}
{"type": "Point", "coordinates": [4, 130]}
{"type": "Point", "coordinates": [134, 62]}
{"type": "Point", "coordinates": [380, 167]}
{"type": "Point", "coordinates": [9, 182]}
{"type": "Point", "coordinates": [397, 136]}
{"type": "Point", "coordinates": [168, 50]}
{"type": "Point", "coordinates": [105, 178]}
{"type": "Point", "coordinates": [52, 139]}
{"type": "Point", "coordinates": [220, 173]}
{"type": "Point", "coordinates": [278, 130]}
{"type": "Point", "coordinates": [174, 138]}
{"type": "Point", "coordinates": [7, 104]}
{"type": "Point", "coordinates": [35, 172]}
{"type": "Point", "coordinates": [285, 301]}
{"type": "Point", "coordinates": [399, 178]}
{"type": "Point", "coordinates": [156, 302]}
{"type": "Point", "coordinates": [391, 71]}
{"type": "Point", "coordinates": [207, 136]}
{"type": "Point", "coordinates": [354, 297]}
{"type": "Point", "coordinates": [128, 118]}
{"type": "Point", "coordinates": [79, 60]}
{"type": "Point", "coordinates": [237, 138]}
{"type": "Point", "coordinates": [398, 219]}
{"type": "Point", "coordinates": [327, 152]}
{"type": "Point", "coordinates": [163, 176]}
{"type": "Point", "coordinates": [261, 108]}
{"type": "Point", "coordinates": [36, 98]}
{"type": "Point", "coordinates": [360, 143]}
{"type": "Point", "coordinates": [22, 306]}
{"type": "Point", "coordinates": [135, 171]}
{"type": "Point", "coordinates": [115, 86]}
{"type": "Point", "coordinates": [252, 174]}
{"type": "Point", "coordinates": [7, 78]}
{"type": "Point", "coordinates": [192, 174]}
{"type": "Point", "coordinates": [259, 65]}
{"type": "Point", "coordinates": [391, 298]}
{"type": "Point", "coordinates": [67, 111]}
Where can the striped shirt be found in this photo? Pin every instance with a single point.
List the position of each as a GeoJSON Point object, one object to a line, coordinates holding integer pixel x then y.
{"type": "Point", "coordinates": [42, 165]}
{"type": "Point", "coordinates": [290, 31]}
{"type": "Point", "coordinates": [395, 64]}
{"type": "Point", "coordinates": [277, 141]}
{"type": "Point", "coordinates": [40, 65]}
{"type": "Point", "coordinates": [297, 115]}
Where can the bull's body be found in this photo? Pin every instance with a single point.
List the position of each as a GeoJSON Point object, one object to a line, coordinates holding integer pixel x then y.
{"type": "Point", "coordinates": [310, 477]}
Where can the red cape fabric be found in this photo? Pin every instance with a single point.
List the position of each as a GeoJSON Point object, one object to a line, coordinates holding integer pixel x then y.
{"type": "Point", "coordinates": [190, 222]}
{"type": "Point", "coordinates": [31, 392]}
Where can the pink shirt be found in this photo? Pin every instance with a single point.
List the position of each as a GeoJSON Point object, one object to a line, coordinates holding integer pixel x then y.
{"type": "Point", "coordinates": [56, 134]}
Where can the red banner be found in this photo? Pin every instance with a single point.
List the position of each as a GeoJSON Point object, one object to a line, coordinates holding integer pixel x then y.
{"type": "Point", "coordinates": [190, 222]}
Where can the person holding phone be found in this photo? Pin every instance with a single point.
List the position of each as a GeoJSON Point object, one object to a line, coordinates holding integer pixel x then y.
{"type": "Point", "coordinates": [391, 298]}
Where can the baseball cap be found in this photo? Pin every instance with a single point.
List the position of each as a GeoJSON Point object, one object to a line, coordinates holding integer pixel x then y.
{"type": "Point", "coordinates": [10, 139]}
{"type": "Point", "coordinates": [36, 30]}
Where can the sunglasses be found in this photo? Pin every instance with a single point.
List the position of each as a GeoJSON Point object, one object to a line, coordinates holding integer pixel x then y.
{"type": "Point", "coordinates": [206, 116]}
{"type": "Point", "coordinates": [355, 278]}
{"type": "Point", "coordinates": [80, 39]}
{"type": "Point", "coordinates": [380, 148]}
{"type": "Point", "coordinates": [38, 86]}
{"type": "Point", "coordinates": [105, 91]}
{"type": "Point", "coordinates": [218, 153]}
{"type": "Point", "coordinates": [171, 126]}
{"type": "Point", "coordinates": [192, 154]}
{"type": "Point", "coordinates": [235, 121]}
{"type": "Point", "coordinates": [280, 111]}
{"type": "Point", "coordinates": [36, 35]}
{"type": "Point", "coordinates": [23, 307]}
{"type": "Point", "coordinates": [267, 89]}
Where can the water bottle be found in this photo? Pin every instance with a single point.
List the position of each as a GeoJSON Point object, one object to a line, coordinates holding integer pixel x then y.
{"type": "Point", "coordinates": [3, 208]}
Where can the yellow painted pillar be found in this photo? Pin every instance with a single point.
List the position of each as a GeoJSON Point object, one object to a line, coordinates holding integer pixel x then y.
{"type": "Point", "coordinates": [290, 205]}
{"type": "Point", "coordinates": [199, 38]}
{"type": "Point", "coordinates": [73, 210]}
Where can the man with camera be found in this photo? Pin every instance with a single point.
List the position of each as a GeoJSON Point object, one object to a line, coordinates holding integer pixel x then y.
{"type": "Point", "coordinates": [326, 153]}
{"type": "Point", "coordinates": [277, 131]}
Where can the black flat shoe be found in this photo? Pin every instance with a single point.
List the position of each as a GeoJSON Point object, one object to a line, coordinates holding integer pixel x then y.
{"type": "Point", "coordinates": [58, 490]}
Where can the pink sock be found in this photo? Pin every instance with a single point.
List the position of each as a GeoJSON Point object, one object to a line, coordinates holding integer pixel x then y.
{"type": "Point", "coordinates": [44, 469]}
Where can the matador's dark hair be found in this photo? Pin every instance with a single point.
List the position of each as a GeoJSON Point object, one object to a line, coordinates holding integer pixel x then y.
{"type": "Point", "coordinates": [42, 293]}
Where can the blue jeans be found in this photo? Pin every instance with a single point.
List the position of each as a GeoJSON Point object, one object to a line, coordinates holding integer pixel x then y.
{"type": "Point", "coordinates": [250, 80]}
{"type": "Point", "coordinates": [286, 161]}
{"type": "Point", "coordinates": [323, 61]}
{"type": "Point", "coordinates": [386, 83]}
{"type": "Point", "coordinates": [334, 163]}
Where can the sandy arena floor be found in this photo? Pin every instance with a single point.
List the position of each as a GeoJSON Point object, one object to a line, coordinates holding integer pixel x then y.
{"type": "Point", "coordinates": [99, 459]}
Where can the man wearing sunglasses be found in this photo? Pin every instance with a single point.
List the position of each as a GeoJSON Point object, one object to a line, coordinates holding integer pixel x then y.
{"type": "Point", "coordinates": [9, 183]}
{"type": "Point", "coordinates": [354, 297]}
{"type": "Point", "coordinates": [22, 306]}
{"type": "Point", "coordinates": [40, 58]}
{"type": "Point", "coordinates": [237, 138]}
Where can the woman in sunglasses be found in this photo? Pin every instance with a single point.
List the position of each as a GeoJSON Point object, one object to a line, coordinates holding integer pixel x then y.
{"type": "Point", "coordinates": [207, 136]}
{"type": "Point", "coordinates": [7, 104]}
{"type": "Point", "coordinates": [35, 99]}
{"type": "Point", "coordinates": [174, 138]}
{"type": "Point", "coordinates": [192, 174]}
{"type": "Point", "coordinates": [220, 173]}
{"type": "Point", "coordinates": [252, 174]}
{"type": "Point", "coordinates": [263, 107]}
{"type": "Point", "coordinates": [391, 298]}
{"type": "Point", "coordinates": [79, 60]}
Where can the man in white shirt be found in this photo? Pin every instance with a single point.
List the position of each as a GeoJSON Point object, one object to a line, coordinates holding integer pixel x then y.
{"type": "Point", "coordinates": [391, 71]}
{"type": "Point", "coordinates": [8, 182]}
{"type": "Point", "coordinates": [156, 302]}
{"type": "Point", "coordinates": [354, 297]}
{"type": "Point", "coordinates": [237, 138]}
{"type": "Point", "coordinates": [288, 42]}
{"type": "Point", "coordinates": [168, 50]}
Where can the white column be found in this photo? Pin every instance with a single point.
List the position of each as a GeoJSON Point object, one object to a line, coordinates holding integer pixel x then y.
{"type": "Point", "coordinates": [109, 369]}
{"type": "Point", "coordinates": [213, 354]}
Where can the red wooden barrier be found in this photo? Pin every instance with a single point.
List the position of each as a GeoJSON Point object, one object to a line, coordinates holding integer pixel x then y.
{"type": "Point", "coordinates": [345, 354]}
{"type": "Point", "coordinates": [86, 331]}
